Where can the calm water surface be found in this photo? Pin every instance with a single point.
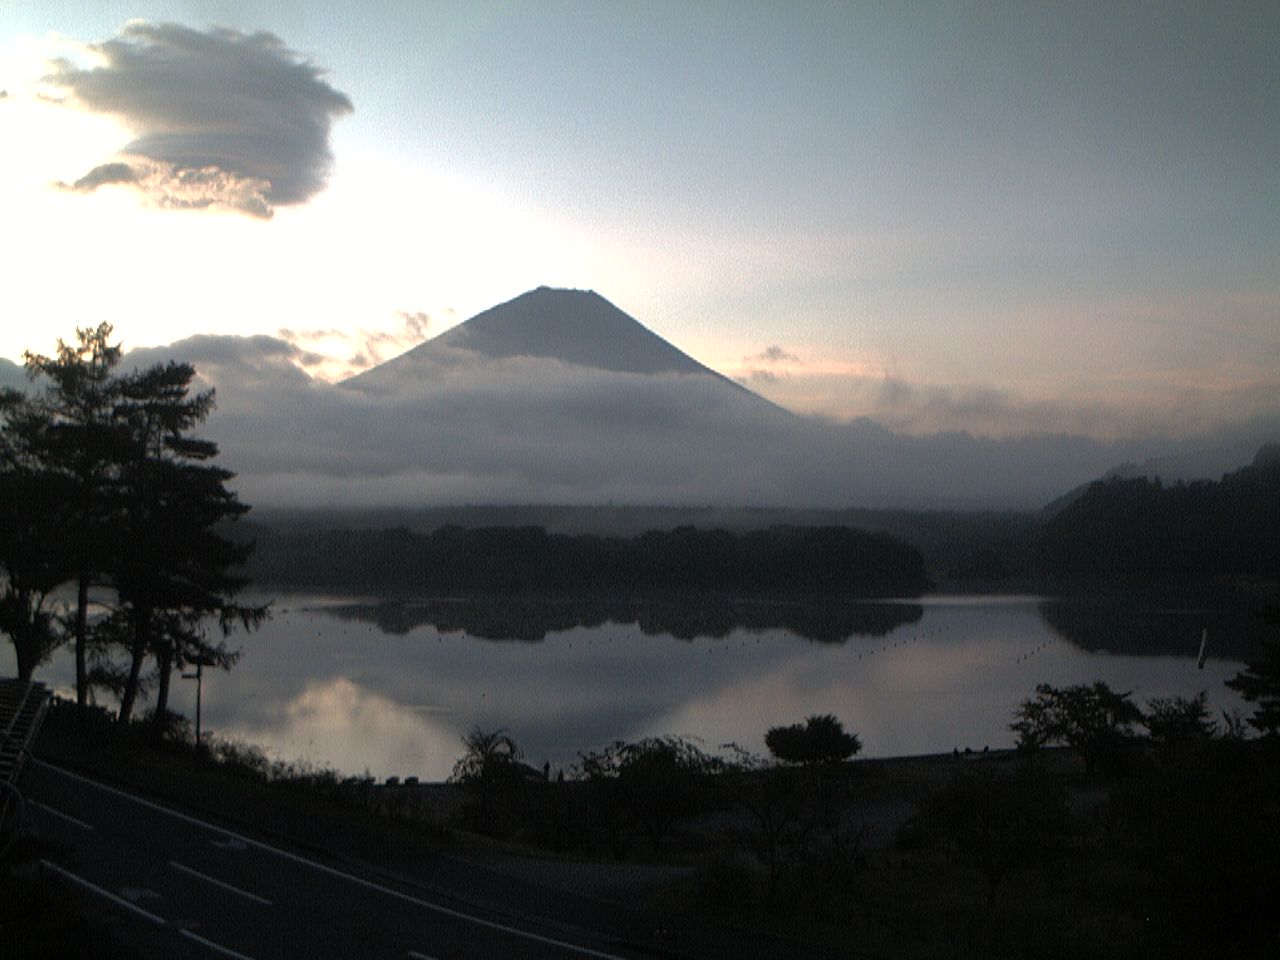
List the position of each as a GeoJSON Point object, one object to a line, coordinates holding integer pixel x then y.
{"type": "Point", "coordinates": [390, 689]}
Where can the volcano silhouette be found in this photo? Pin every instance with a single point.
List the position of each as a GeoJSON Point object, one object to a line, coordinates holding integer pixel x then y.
{"type": "Point", "coordinates": [576, 328]}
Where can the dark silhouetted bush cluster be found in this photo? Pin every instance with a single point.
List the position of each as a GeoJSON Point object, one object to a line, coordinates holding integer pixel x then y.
{"type": "Point", "coordinates": [820, 739]}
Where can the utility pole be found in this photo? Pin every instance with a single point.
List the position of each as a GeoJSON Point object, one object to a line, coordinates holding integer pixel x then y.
{"type": "Point", "coordinates": [198, 677]}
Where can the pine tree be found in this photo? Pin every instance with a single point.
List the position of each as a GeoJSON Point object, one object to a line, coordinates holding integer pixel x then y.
{"type": "Point", "coordinates": [178, 569]}
{"type": "Point", "coordinates": [1259, 683]}
{"type": "Point", "coordinates": [85, 442]}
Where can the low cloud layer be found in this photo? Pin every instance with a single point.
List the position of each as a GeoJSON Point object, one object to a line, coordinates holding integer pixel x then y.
{"type": "Point", "coordinates": [336, 354]}
{"type": "Point", "coordinates": [535, 430]}
{"type": "Point", "coordinates": [1154, 406]}
{"type": "Point", "coordinates": [220, 118]}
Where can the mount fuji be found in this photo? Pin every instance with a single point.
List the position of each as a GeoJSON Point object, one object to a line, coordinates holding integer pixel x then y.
{"type": "Point", "coordinates": [561, 329]}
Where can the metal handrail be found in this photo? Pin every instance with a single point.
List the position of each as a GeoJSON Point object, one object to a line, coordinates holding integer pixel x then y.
{"type": "Point", "coordinates": [12, 796]}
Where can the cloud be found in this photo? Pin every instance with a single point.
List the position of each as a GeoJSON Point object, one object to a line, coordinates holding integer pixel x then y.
{"type": "Point", "coordinates": [237, 365]}
{"type": "Point", "coordinates": [773, 354]}
{"type": "Point", "coordinates": [176, 189]}
{"type": "Point", "coordinates": [219, 117]}
{"type": "Point", "coordinates": [415, 323]}
{"type": "Point", "coordinates": [106, 173]}
{"type": "Point", "coordinates": [763, 368]}
{"type": "Point", "coordinates": [12, 375]}
{"type": "Point", "coordinates": [288, 333]}
{"type": "Point", "coordinates": [527, 430]}
{"type": "Point", "coordinates": [381, 344]}
{"type": "Point", "coordinates": [344, 352]}
{"type": "Point", "coordinates": [993, 412]}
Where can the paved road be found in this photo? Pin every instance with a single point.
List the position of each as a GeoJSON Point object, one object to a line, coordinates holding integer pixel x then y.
{"type": "Point", "coordinates": [195, 889]}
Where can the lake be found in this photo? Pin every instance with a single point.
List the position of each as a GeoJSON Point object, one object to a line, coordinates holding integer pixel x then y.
{"type": "Point", "coordinates": [389, 688]}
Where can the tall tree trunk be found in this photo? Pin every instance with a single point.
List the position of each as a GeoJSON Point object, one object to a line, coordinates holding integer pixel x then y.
{"type": "Point", "coordinates": [164, 664]}
{"type": "Point", "coordinates": [26, 662]}
{"type": "Point", "coordinates": [138, 654]}
{"type": "Point", "coordinates": [25, 633]}
{"type": "Point", "coordinates": [82, 630]}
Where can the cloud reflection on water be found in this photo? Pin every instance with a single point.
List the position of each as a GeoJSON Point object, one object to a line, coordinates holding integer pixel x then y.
{"type": "Point", "coordinates": [340, 724]}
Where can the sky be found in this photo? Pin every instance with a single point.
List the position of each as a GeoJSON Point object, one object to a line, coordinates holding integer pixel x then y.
{"type": "Point", "coordinates": [1005, 219]}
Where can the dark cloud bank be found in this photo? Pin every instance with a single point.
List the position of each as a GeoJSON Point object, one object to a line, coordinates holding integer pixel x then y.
{"type": "Point", "coordinates": [220, 117]}
{"type": "Point", "coordinates": [472, 428]}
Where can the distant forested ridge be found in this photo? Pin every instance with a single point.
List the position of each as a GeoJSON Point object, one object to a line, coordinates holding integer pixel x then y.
{"type": "Point", "coordinates": [964, 552]}
{"type": "Point", "coordinates": [1138, 530]}
{"type": "Point", "coordinates": [780, 561]}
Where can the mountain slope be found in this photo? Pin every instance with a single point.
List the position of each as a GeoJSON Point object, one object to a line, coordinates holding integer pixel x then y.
{"type": "Point", "coordinates": [577, 328]}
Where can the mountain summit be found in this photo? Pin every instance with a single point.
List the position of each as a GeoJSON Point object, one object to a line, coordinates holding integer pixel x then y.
{"type": "Point", "coordinates": [575, 327]}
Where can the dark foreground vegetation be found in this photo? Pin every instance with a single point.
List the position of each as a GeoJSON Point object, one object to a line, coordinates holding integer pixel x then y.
{"type": "Point", "coordinates": [105, 493]}
{"type": "Point", "coordinates": [1116, 829]}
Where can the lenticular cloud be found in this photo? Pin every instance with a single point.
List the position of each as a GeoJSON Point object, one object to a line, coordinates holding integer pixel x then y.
{"type": "Point", "coordinates": [220, 117]}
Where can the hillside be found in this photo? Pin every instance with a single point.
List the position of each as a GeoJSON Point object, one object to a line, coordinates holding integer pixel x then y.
{"type": "Point", "coordinates": [1141, 531]}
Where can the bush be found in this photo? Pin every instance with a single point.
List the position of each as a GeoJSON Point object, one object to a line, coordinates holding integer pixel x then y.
{"type": "Point", "coordinates": [646, 786]}
{"type": "Point", "coordinates": [492, 772]}
{"type": "Point", "coordinates": [820, 739]}
{"type": "Point", "coordinates": [167, 727]}
{"type": "Point", "coordinates": [1092, 719]}
{"type": "Point", "coordinates": [804, 828]}
{"type": "Point", "coordinates": [1176, 721]}
{"type": "Point", "coordinates": [997, 823]}
{"type": "Point", "coordinates": [1259, 683]}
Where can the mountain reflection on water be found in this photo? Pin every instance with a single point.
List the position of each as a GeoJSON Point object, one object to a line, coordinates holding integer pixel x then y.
{"type": "Point", "coordinates": [531, 619]}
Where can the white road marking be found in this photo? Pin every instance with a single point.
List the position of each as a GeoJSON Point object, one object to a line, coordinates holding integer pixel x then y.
{"type": "Point", "coordinates": [333, 871]}
{"type": "Point", "coordinates": [63, 816]}
{"type": "Point", "coordinates": [225, 951]}
{"type": "Point", "coordinates": [219, 883]}
{"type": "Point", "coordinates": [420, 956]}
{"type": "Point", "coordinates": [134, 894]}
{"type": "Point", "coordinates": [145, 914]}
{"type": "Point", "coordinates": [118, 901]}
